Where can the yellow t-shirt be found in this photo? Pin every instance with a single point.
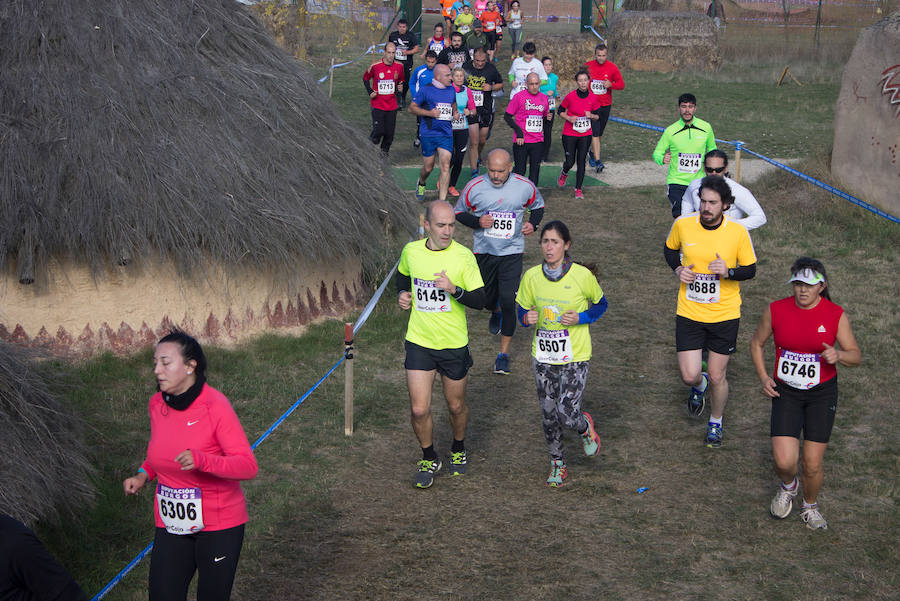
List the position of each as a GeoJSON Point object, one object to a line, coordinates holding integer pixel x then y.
{"type": "Point", "coordinates": [553, 342]}
{"type": "Point", "coordinates": [711, 298]}
{"type": "Point", "coordinates": [437, 320]}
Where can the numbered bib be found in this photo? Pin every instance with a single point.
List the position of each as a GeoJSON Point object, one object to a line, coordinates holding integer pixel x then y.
{"type": "Point", "coordinates": [478, 97]}
{"type": "Point", "coordinates": [800, 370]}
{"type": "Point", "coordinates": [437, 47]}
{"type": "Point", "coordinates": [490, 26]}
{"type": "Point", "coordinates": [181, 509]}
{"type": "Point", "coordinates": [534, 124]}
{"type": "Point", "coordinates": [504, 225]}
{"type": "Point", "coordinates": [386, 86]}
{"type": "Point", "coordinates": [688, 162]}
{"type": "Point", "coordinates": [704, 289]}
{"type": "Point", "coordinates": [429, 298]}
{"type": "Point", "coordinates": [582, 124]}
{"type": "Point", "coordinates": [552, 101]}
{"type": "Point", "coordinates": [597, 87]}
{"type": "Point", "coordinates": [553, 346]}
{"type": "Point", "coordinates": [399, 54]}
{"type": "Point", "coordinates": [459, 123]}
{"type": "Point", "coordinates": [464, 29]}
{"type": "Point", "coordinates": [445, 111]}
{"type": "Point", "coordinates": [516, 24]}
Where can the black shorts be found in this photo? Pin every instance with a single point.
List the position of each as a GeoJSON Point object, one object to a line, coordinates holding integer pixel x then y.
{"type": "Point", "coordinates": [451, 362]}
{"type": "Point", "coordinates": [719, 337]}
{"type": "Point", "coordinates": [491, 39]}
{"type": "Point", "coordinates": [597, 126]}
{"type": "Point", "coordinates": [485, 118]}
{"type": "Point", "coordinates": [808, 411]}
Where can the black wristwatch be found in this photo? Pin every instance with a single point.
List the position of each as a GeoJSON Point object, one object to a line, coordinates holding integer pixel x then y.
{"type": "Point", "coordinates": [731, 274]}
{"type": "Point", "coordinates": [457, 293]}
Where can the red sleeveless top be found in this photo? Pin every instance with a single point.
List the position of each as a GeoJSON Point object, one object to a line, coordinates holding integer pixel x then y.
{"type": "Point", "coordinates": [799, 334]}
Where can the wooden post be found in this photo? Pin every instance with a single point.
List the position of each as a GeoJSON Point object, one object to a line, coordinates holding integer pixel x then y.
{"type": "Point", "coordinates": [737, 160]}
{"type": "Point", "coordinates": [331, 78]}
{"type": "Point", "coordinates": [421, 231]}
{"type": "Point", "coordinates": [348, 379]}
{"type": "Point", "coordinates": [783, 73]}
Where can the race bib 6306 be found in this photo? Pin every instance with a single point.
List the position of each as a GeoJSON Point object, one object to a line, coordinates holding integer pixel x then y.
{"type": "Point", "coordinates": [181, 509]}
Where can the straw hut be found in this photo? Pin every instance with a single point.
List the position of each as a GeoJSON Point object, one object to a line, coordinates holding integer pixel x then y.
{"type": "Point", "coordinates": [167, 163]}
{"type": "Point", "coordinates": [43, 465]}
{"type": "Point", "coordinates": [664, 41]}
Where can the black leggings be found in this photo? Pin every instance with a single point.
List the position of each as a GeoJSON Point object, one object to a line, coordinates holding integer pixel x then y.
{"type": "Point", "coordinates": [501, 275]}
{"type": "Point", "coordinates": [460, 142]}
{"type": "Point", "coordinates": [383, 125]}
{"type": "Point", "coordinates": [213, 555]}
{"type": "Point", "coordinates": [528, 154]}
{"type": "Point", "coordinates": [548, 130]}
{"type": "Point", "coordinates": [576, 147]}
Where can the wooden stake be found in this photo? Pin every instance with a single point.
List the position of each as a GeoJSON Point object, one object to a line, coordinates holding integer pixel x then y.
{"type": "Point", "coordinates": [348, 379]}
{"type": "Point", "coordinates": [737, 162]}
{"type": "Point", "coordinates": [783, 73]}
{"type": "Point", "coordinates": [331, 78]}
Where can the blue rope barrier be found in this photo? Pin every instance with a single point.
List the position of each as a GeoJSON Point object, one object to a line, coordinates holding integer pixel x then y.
{"type": "Point", "coordinates": [738, 145]}
{"type": "Point", "coordinates": [594, 31]}
{"type": "Point", "coordinates": [370, 50]}
{"type": "Point", "coordinates": [122, 574]}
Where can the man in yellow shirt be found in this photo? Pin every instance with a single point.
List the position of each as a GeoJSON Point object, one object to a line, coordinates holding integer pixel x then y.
{"type": "Point", "coordinates": [710, 254]}
{"type": "Point", "coordinates": [435, 278]}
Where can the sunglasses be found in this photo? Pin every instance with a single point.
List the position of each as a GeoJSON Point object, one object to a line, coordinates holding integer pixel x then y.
{"type": "Point", "coordinates": [714, 169]}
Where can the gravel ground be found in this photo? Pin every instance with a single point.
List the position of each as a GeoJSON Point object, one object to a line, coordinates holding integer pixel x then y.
{"type": "Point", "coordinates": [648, 173]}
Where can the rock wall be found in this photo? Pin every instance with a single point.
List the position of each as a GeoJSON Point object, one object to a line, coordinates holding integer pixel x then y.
{"type": "Point", "coordinates": [867, 118]}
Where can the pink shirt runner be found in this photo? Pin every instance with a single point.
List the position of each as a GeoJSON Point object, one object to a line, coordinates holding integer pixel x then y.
{"type": "Point", "coordinates": [529, 111]}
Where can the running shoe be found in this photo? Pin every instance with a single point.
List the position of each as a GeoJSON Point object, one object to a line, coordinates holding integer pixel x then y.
{"type": "Point", "coordinates": [696, 401]}
{"type": "Point", "coordinates": [427, 468]}
{"type": "Point", "coordinates": [561, 182]}
{"type": "Point", "coordinates": [812, 517]}
{"type": "Point", "coordinates": [495, 323]}
{"type": "Point", "coordinates": [452, 191]}
{"type": "Point", "coordinates": [558, 474]}
{"type": "Point", "coordinates": [579, 195]}
{"type": "Point", "coordinates": [590, 439]}
{"type": "Point", "coordinates": [713, 435]}
{"type": "Point", "coordinates": [474, 174]}
{"type": "Point", "coordinates": [600, 166]}
{"type": "Point", "coordinates": [458, 463]}
{"type": "Point", "coordinates": [783, 501]}
{"type": "Point", "coordinates": [420, 192]}
{"type": "Point", "coordinates": [591, 160]}
{"type": "Point", "coordinates": [417, 142]}
{"type": "Point", "coordinates": [501, 364]}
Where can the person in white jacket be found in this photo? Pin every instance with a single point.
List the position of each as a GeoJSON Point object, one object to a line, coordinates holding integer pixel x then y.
{"type": "Point", "coordinates": [745, 209]}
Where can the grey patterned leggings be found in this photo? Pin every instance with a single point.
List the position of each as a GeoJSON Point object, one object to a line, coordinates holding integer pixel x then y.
{"type": "Point", "coordinates": [560, 389]}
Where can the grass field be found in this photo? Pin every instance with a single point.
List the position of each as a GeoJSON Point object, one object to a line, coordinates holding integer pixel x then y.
{"type": "Point", "coordinates": [335, 517]}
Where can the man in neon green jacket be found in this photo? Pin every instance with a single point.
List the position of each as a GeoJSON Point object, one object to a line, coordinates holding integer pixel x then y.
{"type": "Point", "coordinates": [682, 147]}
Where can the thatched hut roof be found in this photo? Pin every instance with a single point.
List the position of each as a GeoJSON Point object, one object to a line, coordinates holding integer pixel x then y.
{"type": "Point", "coordinates": [174, 130]}
{"type": "Point", "coordinates": [664, 41]}
{"type": "Point", "coordinates": [43, 467]}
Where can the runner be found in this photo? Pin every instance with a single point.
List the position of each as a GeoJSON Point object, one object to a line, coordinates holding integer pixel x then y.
{"type": "Point", "coordinates": [388, 78]}
{"type": "Point", "coordinates": [490, 19]}
{"type": "Point", "coordinates": [494, 206]}
{"type": "Point", "coordinates": [526, 114]}
{"type": "Point", "coordinates": [407, 45]}
{"type": "Point", "coordinates": [198, 454]}
{"type": "Point", "coordinates": [549, 88]}
{"type": "Point", "coordinates": [455, 54]}
{"type": "Point", "coordinates": [464, 20]}
{"type": "Point", "coordinates": [745, 209]}
{"type": "Point", "coordinates": [435, 278]}
{"type": "Point", "coordinates": [421, 77]}
{"type": "Point", "coordinates": [436, 104]}
{"type": "Point", "coordinates": [803, 386]}
{"type": "Point", "coordinates": [465, 128]}
{"type": "Point", "coordinates": [475, 39]}
{"type": "Point", "coordinates": [688, 139]}
{"type": "Point", "coordinates": [480, 7]}
{"type": "Point", "coordinates": [605, 77]}
{"type": "Point", "coordinates": [717, 254]}
{"type": "Point", "coordinates": [449, 13]}
{"type": "Point", "coordinates": [521, 67]}
{"type": "Point", "coordinates": [27, 570]}
{"type": "Point", "coordinates": [436, 42]}
{"type": "Point", "coordinates": [562, 298]}
{"type": "Point", "coordinates": [578, 109]}
{"type": "Point", "coordinates": [514, 21]}
{"type": "Point", "coordinates": [484, 79]}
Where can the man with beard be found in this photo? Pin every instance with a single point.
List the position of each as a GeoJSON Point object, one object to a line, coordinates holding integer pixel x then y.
{"type": "Point", "coordinates": [483, 79]}
{"type": "Point", "coordinates": [455, 54]}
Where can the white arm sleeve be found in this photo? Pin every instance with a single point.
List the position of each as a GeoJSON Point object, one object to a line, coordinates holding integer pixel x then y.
{"type": "Point", "coordinates": [690, 202]}
{"type": "Point", "coordinates": [753, 214]}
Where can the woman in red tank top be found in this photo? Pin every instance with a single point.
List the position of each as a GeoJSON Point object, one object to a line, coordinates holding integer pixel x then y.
{"type": "Point", "coordinates": [812, 335]}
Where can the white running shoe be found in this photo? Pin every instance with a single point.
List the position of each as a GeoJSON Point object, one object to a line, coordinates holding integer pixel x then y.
{"type": "Point", "coordinates": [812, 517]}
{"type": "Point", "coordinates": [783, 502]}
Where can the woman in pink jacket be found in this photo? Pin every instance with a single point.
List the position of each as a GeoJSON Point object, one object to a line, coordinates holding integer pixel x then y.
{"type": "Point", "coordinates": [198, 454]}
